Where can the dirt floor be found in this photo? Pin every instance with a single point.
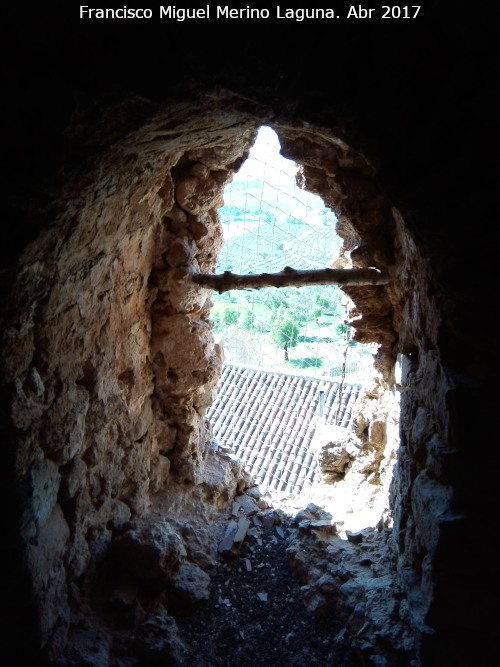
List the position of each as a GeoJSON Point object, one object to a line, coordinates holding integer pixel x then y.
{"type": "Point", "coordinates": [256, 616]}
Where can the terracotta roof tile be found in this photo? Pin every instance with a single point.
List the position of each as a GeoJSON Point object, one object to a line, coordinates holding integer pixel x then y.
{"type": "Point", "coordinates": [269, 419]}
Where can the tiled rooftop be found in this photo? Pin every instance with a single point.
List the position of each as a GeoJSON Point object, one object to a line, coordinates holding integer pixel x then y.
{"type": "Point", "coordinates": [269, 421]}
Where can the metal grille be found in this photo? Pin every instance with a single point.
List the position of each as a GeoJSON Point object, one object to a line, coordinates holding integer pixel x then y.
{"type": "Point", "coordinates": [270, 223]}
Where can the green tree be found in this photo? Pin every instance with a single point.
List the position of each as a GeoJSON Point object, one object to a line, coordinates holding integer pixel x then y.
{"type": "Point", "coordinates": [230, 316]}
{"type": "Point", "coordinates": [341, 329]}
{"type": "Point", "coordinates": [285, 330]}
{"type": "Point", "coordinates": [317, 313]}
{"type": "Point", "coordinates": [248, 320]}
{"type": "Point", "coordinates": [323, 302]}
{"type": "Point", "coordinates": [322, 306]}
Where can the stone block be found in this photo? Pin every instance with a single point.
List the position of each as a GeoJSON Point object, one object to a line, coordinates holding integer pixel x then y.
{"type": "Point", "coordinates": [41, 496]}
{"type": "Point", "coordinates": [151, 552]}
{"type": "Point", "coordinates": [191, 583]}
{"type": "Point", "coordinates": [248, 505]}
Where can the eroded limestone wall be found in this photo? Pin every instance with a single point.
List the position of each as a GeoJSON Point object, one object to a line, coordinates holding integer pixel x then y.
{"type": "Point", "coordinates": [111, 366]}
{"type": "Point", "coordinates": [109, 352]}
{"type": "Point", "coordinates": [405, 415]}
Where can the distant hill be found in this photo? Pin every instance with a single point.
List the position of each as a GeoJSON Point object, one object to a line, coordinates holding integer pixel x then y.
{"type": "Point", "coordinates": [256, 245]}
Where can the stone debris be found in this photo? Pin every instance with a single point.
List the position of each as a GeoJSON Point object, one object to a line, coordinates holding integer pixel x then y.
{"type": "Point", "coordinates": [244, 513]}
{"type": "Point", "coordinates": [227, 542]}
{"type": "Point", "coordinates": [245, 520]}
{"type": "Point", "coordinates": [355, 578]}
{"type": "Point", "coordinates": [254, 532]}
{"type": "Point", "coordinates": [248, 505]}
{"type": "Point", "coordinates": [256, 616]}
{"type": "Point", "coordinates": [279, 516]}
{"type": "Point", "coordinates": [254, 493]}
{"type": "Point", "coordinates": [354, 538]}
{"type": "Point", "coordinates": [243, 525]}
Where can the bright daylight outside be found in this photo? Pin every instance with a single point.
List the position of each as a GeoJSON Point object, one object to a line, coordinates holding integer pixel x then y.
{"type": "Point", "coordinates": [291, 376]}
{"type": "Point", "coordinates": [269, 223]}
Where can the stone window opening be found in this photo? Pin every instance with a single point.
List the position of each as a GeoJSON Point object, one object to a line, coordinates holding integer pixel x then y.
{"type": "Point", "coordinates": [335, 461]}
{"type": "Point", "coordinates": [117, 411]}
{"type": "Point", "coordinates": [271, 226]}
{"type": "Point", "coordinates": [385, 312]}
{"type": "Point", "coordinates": [109, 364]}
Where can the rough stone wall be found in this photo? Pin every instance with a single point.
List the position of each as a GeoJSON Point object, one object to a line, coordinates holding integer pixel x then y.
{"type": "Point", "coordinates": [110, 355]}
{"type": "Point", "coordinates": [430, 527]}
{"type": "Point", "coordinates": [414, 392]}
{"type": "Point", "coordinates": [110, 365]}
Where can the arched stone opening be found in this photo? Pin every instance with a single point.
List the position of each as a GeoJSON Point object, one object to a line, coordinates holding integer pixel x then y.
{"type": "Point", "coordinates": [417, 100]}
{"type": "Point", "coordinates": [113, 365]}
